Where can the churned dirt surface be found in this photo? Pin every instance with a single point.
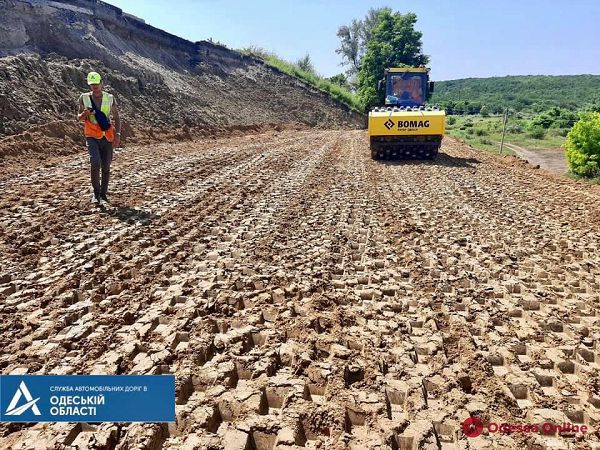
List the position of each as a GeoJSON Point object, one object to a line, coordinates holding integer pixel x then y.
{"type": "Point", "coordinates": [306, 296]}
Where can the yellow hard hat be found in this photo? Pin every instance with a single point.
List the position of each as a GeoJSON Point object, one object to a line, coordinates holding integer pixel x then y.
{"type": "Point", "coordinates": [94, 78]}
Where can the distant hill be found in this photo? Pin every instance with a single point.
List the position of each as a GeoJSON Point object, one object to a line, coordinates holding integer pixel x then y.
{"type": "Point", "coordinates": [533, 93]}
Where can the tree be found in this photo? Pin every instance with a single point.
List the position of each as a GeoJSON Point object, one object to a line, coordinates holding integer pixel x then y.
{"type": "Point", "coordinates": [593, 105]}
{"type": "Point", "coordinates": [371, 21]}
{"type": "Point", "coordinates": [473, 107]}
{"type": "Point", "coordinates": [306, 64]}
{"type": "Point", "coordinates": [583, 146]}
{"type": "Point", "coordinates": [555, 118]}
{"type": "Point", "coordinates": [565, 119]}
{"type": "Point", "coordinates": [496, 109]}
{"type": "Point", "coordinates": [350, 45]}
{"type": "Point", "coordinates": [460, 107]}
{"type": "Point", "coordinates": [341, 80]}
{"type": "Point", "coordinates": [484, 111]}
{"type": "Point", "coordinates": [543, 120]}
{"type": "Point", "coordinates": [449, 106]}
{"type": "Point", "coordinates": [355, 37]}
{"type": "Point", "coordinates": [394, 42]}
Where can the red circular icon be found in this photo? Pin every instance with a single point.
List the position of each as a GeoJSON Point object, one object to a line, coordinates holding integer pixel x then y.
{"type": "Point", "coordinates": [472, 426]}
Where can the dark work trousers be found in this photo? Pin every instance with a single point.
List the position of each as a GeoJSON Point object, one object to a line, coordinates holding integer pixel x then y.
{"type": "Point", "coordinates": [101, 153]}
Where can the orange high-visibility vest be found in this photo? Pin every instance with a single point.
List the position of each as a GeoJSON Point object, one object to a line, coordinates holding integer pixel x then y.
{"type": "Point", "coordinates": [91, 126]}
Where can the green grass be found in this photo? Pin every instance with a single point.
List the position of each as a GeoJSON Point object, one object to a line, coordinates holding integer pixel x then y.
{"type": "Point", "coordinates": [323, 84]}
{"type": "Point", "coordinates": [587, 180]}
{"type": "Point", "coordinates": [486, 133]}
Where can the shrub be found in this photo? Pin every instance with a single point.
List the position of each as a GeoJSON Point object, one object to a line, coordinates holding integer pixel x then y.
{"type": "Point", "coordinates": [341, 80]}
{"type": "Point", "coordinates": [451, 120]}
{"type": "Point", "coordinates": [306, 64]}
{"type": "Point", "coordinates": [594, 107]}
{"type": "Point", "coordinates": [480, 132]}
{"type": "Point", "coordinates": [566, 119]}
{"type": "Point", "coordinates": [541, 121]}
{"type": "Point", "coordinates": [583, 146]}
{"type": "Point", "coordinates": [486, 141]}
{"type": "Point", "coordinates": [495, 125]}
{"type": "Point", "coordinates": [554, 118]}
{"type": "Point", "coordinates": [537, 132]}
{"type": "Point", "coordinates": [514, 129]}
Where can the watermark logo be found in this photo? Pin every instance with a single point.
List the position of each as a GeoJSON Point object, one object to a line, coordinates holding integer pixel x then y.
{"type": "Point", "coordinates": [22, 391]}
{"type": "Point", "coordinates": [472, 427]}
{"type": "Point", "coordinates": [87, 398]}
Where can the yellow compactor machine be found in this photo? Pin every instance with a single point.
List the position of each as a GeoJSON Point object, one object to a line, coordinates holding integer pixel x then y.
{"type": "Point", "coordinates": [406, 127]}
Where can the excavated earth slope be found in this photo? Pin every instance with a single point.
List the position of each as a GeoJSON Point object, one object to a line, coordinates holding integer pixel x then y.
{"type": "Point", "coordinates": [168, 88]}
{"type": "Point", "coordinates": [321, 301]}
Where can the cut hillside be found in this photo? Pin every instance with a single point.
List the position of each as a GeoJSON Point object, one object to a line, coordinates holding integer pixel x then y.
{"type": "Point", "coordinates": [166, 87]}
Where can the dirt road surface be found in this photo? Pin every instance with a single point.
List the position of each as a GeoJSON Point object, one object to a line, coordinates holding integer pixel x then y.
{"type": "Point", "coordinates": [551, 159]}
{"type": "Point", "coordinates": [306, 296]}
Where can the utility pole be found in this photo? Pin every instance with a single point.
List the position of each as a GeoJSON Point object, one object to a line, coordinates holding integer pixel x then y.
{"type": "Point", "coordinates": [504, 129]}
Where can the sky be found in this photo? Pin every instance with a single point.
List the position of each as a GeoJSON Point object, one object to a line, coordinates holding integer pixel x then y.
{"type": "Point", "coordinates": [464, 38]}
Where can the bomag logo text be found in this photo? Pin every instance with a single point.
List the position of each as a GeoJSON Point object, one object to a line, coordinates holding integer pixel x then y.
{"type": "Point", "coordinates": [413, 124]}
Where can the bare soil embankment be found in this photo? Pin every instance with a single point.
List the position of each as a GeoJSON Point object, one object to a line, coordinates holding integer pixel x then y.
{"type": "Point", "coordinates": [167, 88]}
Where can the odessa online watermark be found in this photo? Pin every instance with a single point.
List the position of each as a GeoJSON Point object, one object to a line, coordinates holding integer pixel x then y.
{"type": "Point", "coordinates": [474, 426]}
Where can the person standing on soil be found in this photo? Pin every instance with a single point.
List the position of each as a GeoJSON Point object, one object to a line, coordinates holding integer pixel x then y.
{"type": "Point", "coordinates": [101, 136]}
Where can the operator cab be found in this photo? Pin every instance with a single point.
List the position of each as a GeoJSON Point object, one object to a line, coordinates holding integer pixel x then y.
{"type": "Point", "coordinates": [407, 86]}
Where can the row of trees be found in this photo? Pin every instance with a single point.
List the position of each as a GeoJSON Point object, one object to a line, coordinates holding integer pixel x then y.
{"type": "Point", "coordinates": [550, 117]}
{"type": "Point", "coordinates": [532, 93]}
{"type": "Point", "coordinates": [466, 107]}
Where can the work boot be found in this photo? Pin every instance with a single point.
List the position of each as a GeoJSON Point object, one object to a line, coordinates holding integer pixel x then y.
{"type": "Point", "coordinates": [96, 199]}
{"type": "Point", "coordinates": [103, 197]}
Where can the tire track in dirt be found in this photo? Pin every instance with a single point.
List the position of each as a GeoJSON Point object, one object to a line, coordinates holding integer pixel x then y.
{"type": "Point", "coordinates": [306, 296]}
{"type": "Point", "coordinates": [504, 281]}
{"type": "Point", "coordinates": [49, 233]}
{"type": "Point", "coordinates": [186, 219]}
{"type": "Point", "coordinates": [125, 239]}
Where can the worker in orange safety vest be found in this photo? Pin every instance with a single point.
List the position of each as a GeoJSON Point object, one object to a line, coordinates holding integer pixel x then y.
{"type": "Point", "coordinates": [101, 135]}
